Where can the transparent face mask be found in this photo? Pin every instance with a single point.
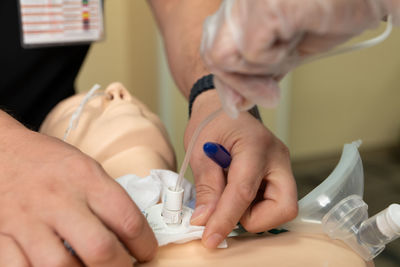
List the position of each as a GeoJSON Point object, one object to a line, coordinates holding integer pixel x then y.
{"type": "Point", "coordinates": [345, 180]}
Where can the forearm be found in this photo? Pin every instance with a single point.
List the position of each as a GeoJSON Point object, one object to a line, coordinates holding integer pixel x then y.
{"type": "Point", "coordinates": [181, 25]}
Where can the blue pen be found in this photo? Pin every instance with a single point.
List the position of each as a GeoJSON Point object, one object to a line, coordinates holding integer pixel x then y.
{"type": "Point", "coordinates": [218, 154]}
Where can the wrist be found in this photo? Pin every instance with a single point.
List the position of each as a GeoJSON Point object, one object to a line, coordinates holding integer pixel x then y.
{"type": "Point", "coordinates": [206, 103]}
{"type": "Point", "coordinates": [204, 86]}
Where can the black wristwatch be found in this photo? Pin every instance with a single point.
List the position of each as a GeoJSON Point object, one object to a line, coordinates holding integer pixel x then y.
{"type": "Point", "coordinates": [206, 83]}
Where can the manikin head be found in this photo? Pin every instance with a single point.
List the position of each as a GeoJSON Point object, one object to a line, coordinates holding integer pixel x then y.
{"type": "Point", "coordinates": [117, 130]}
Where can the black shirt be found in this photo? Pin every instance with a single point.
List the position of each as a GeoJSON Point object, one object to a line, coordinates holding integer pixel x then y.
{"type": "Point", "coordinates": [33, 81]}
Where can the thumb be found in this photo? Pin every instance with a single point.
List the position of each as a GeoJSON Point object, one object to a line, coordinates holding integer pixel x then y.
{"type": "Point", "coordinates": [209, 183]}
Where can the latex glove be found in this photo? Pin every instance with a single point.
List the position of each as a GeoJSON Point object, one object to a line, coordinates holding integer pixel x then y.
{"type": "Point", "coordinates": [250, 45]}
{"type": "Point", "coordinates": [50, 192]}
{"type": "Point", "coordinates": [259, 191]}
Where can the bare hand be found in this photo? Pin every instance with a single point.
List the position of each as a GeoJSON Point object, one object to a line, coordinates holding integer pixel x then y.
{"type": "Point", "coordinates": [51, 192]}
{"type": "Point", "coordinates": [259, 191]}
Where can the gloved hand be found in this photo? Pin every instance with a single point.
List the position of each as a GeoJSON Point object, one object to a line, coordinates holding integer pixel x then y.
{"type": "Point", "coordinates": [259, 191]}
{"type": "Point", "coordinates": [251, 45]}
{"type": "Point", "coordinates": [50, 192]}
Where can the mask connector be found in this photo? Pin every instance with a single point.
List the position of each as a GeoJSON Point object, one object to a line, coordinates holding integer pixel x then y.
{"type": "Point", "coordinates": [172, 211]}
{"type": "Point", "coordinates": [381, 228]}
{"type": "Point", "coordinates": [336, 208]}
{"type": "Point", "coordinates": [348, 221]}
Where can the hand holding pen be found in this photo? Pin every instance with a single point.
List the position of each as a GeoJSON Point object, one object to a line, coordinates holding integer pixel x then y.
{"type": "Point", "coordinates": [218, 154]}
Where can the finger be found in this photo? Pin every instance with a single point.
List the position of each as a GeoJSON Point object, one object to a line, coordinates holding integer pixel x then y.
{"type": "Point", "coordinates": [42, 246]}
{"type": "Point", "coordinates": [91, 240]}
{"type": "Point", "coordinates": [249, 48]}
{"type": "Point", "coordinates": [116, 209]}
{"type": "Point", "coordinates": [209, 183]}
{"type": "Point", "coordinates": [11, 254]}
{"type": "Point", "coordinates": [260, 90]}
{"type": "Point", "coordinates": [244, 179]}
{"type": "Point", "coordinates": [279, 204]}
{"type": "Point", "coordinates": [314, 44]}
{"type": "Point", "coordinates": [259, 52]}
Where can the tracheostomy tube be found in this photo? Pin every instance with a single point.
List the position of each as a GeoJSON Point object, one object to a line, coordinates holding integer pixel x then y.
{"type": "Point", "coordinates": [172, 211]}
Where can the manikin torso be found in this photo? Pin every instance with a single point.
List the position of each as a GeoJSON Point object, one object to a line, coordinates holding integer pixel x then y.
{"type": "Point", "coordinates": [286, 249]}
{"type": "Point", "coordinates": [125, 137]}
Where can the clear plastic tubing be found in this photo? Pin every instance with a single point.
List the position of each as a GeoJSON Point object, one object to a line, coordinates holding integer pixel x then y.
{"type": "Point", "coordinates": [382, 228]}
{"type": "Point", "coordinates": [191, 145]}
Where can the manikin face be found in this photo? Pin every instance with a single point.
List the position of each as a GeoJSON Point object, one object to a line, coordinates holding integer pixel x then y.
{"type": "Point", "coordinates": [115, 129]}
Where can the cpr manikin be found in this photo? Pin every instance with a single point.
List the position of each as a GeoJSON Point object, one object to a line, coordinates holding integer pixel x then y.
{"type": "Point", "coordinates": [117, 130]}
{"type": "Point", "coordinates": [126, 138]}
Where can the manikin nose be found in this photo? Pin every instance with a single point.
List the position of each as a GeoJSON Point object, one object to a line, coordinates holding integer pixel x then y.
{"type": "Point", "coordinates": [117, 93]}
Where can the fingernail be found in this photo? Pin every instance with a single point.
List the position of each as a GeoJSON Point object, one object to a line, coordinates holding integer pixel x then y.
{"type": "Point", "coordinates": [198, 213]}
{"type": "Point", "coordinates": [213, 240]}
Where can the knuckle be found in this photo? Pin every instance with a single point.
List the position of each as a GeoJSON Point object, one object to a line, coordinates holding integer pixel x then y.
{"type": "Point", "coordinates": [284, 150]}
{"type": "Point", "coordinates": [133, 225]}
{"type": "Point", "coordinates": [246, 192]}
{"type": "Point", "coordinates": [10, 255]}
{"type": "Point", "coordinates": [102, 248]}
{"type": "Point", "coordinates": [291, 211]}
{"type": "Point", "coordinates": [77, 162]}
{"type": "Point", "coordinates": [250, 227]}
{"type": "Point", "coordinates": [84, 166]}
{"type": "Point", "coordinates": [204, 191]}
{"type": "Point", "coordinates": [16, 263]}
{"type": "Point", "coordinates": [228, 222]}
{"type": "Point", "coordinates": [57, 261]}
{"type": "Point", "coordinates": [217, 56]}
